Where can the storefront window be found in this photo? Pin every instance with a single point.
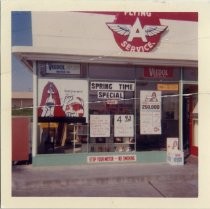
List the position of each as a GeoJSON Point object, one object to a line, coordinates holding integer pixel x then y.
{"type": "Point", "coordinates": [106, 108]}
{"type": "Point", "coordinates": [112, 116]}
{"type": "Point", "coordinates": [62, 137]}
{"type": "Point", "coordinates": [112, 72]}
{"type": "Point", "coordinates": [62, 108]}
{"type": "Point", "coordinates": [156, 120]}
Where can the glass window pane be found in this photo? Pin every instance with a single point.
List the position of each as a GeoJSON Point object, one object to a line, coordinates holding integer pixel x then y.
{"type": "Point", "coordinates": [119, 72]}
{"type": "Point", "coordinates": [169, 120]}
{"type": "Point", "coordinates": [190, 74]}
{"type": "Point", "coordinates": [123, 108]}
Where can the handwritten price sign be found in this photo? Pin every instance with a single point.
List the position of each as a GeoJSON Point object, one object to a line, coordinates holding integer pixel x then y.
{"type": "Point", "coordinates": [123, 126]}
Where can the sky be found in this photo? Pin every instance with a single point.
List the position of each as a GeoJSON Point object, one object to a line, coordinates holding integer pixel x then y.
{"type": "Point", "coordinates": [21, 36]}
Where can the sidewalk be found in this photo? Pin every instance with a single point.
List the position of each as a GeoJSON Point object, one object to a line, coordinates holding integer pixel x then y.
{"type": "Point", "coordinates": [108, 180]}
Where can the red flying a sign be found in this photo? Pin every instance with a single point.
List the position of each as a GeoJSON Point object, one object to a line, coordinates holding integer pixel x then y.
{"type": "Point", "coordinates": [137, 33]}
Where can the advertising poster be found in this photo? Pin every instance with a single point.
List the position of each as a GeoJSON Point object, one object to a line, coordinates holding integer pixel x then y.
{"type": "Point", "coordinates": [99, 125]}
{"type": "Point", "coordinates": [150, 112]}
{"type": "Point", "coordinates": [123, 126]}
{"type": "Point", "coordinates": [174, 155]}
{"type": "Point", "coordinates": [62, 98]}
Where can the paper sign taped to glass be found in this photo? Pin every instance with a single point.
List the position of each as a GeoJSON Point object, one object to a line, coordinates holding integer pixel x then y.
{"type": "Point", "coordinates": [150, 112]}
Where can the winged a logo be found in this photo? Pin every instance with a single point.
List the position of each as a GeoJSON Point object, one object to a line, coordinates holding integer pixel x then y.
{"type": "Point", "coordinates": [136, 31]}
{"type": "Point", "coordinates": [121, 29]}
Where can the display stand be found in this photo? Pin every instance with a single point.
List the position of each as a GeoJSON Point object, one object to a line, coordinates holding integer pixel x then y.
{"type": "Point", "coordinates": [77, 133]}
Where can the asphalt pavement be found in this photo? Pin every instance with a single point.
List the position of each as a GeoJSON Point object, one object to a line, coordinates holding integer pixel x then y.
{"type": "Point", "coordinates": [107, 180]}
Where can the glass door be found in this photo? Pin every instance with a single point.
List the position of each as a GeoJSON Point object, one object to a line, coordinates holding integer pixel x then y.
{"type": "Point", "coordinates": [190, 118]}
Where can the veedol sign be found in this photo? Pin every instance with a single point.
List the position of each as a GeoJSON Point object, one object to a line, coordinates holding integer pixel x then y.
{"type": "Point", "coordinates": [137, 31]}
{"type": "Point", "coordinates": [158, 72]}
{"type": "Point", "coordinates": [58, 68]}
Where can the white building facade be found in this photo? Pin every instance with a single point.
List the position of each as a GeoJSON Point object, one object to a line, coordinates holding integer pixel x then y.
{"type": "Point", "coordinates": [112, 86]}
